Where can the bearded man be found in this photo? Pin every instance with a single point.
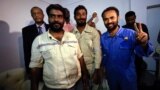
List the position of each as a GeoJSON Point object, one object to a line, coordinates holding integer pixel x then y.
{"type": "Point", "coordinates": [58, 53]}
{"type": "Point", "coordinates": [119, 46]}
{"type": "Point", "coordinates": [89, 41]}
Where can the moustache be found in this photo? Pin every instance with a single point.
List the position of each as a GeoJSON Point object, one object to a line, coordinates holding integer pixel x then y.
{"type": "Point", "coordinates": [110, 24]}
{"type": "Point", "coordinates": [53, 23]}
{"type": "Point", "coordinates": [82, 19]}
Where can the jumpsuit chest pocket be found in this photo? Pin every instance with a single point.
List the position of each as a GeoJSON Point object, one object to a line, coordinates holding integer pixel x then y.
{"type": "Point", "coordinates": [125, 45]}
{"type": "Point", "coordinates": [124, 53]}
{"type": "Point", "coordinates": [125, 48]}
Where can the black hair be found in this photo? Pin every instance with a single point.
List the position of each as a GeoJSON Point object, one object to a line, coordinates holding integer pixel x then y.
{"type": "Point", "coordinates": [78, 8]}
{"type": "Point", "coordinates": [67, 17]}
{"type": "Point", "coordinates": [56, 7]}
{"type": "Point", "coordinates": [110, 8]}
{"type": "Point", "coordinates": [130, 13]}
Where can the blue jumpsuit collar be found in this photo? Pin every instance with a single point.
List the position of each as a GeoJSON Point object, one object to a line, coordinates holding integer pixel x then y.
{"type": "Point", "coordinates": [117, 33]}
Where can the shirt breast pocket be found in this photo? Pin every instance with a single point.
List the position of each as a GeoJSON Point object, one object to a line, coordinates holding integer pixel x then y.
{"type": "Point", "coordinates": [48, 53]}
{"type": "Point", "coordinates": [71, 50]}
{"type": "Point", "coordinates": [89, 42]}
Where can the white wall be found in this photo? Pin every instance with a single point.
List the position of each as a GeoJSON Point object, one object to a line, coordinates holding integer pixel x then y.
{"type": "Point", "coordinates": [99, 6]}
{"type": "Point", "coordinates": [15, 14]}
{"type": "Point", "coordinates": [140, 7]}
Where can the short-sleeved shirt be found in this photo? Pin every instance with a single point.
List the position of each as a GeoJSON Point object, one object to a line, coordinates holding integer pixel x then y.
{"type": "Point", "coordinates": [59, 59]}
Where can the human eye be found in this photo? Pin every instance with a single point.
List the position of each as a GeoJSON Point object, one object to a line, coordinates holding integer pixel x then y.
{"type": "Point", "coordinates": [60, 16]}
{"type": "Point", "coordinates": [105, 19]}
{"type": "Point", "coordinates": [51, 15]}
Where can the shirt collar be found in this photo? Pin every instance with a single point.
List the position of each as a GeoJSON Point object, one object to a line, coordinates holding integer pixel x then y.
{"type": "Point", "coordinates": [40, 25]}
{"type": "Point", "coordinates": [51, 37]}
{"type": "Point", "coordinates": [86, 29]}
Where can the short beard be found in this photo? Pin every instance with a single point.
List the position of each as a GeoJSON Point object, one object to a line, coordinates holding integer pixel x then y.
{"type": "Point", "coordinates": [115, 25]}
{"type": "Point", "coordinates": [81, 24]}
{"type": "Point", "coordinates": [111, 29]}
{"type": "Point", "coordinates": [55, 28]}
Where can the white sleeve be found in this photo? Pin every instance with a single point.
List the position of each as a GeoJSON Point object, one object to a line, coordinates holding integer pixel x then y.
{"type": "Point", "coordinates": [36, 57]}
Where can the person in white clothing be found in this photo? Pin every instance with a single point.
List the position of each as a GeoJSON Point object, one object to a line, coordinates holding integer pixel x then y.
{"type": "Point", "coordinates": [58, 53]}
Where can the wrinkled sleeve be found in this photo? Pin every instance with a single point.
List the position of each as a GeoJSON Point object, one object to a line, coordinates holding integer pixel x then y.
{"type": "Point", "coordinates": [97, 49]}
{"type": "Point", "coordinates": [141, 52]}
{"type": "Point", "coordinates": [79, 55]}
{"type": "Point", "coordinates": [79, 52]}
{"type": "Point", "coordinates": [36, 57]}
{"type": "Point", "coordinates": [103, 52]}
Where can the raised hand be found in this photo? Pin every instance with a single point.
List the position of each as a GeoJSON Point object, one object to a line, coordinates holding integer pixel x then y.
{"type": "Point", "coordinates": [94, 14]}
{"type": "Point", "coordinates": [142, 37]}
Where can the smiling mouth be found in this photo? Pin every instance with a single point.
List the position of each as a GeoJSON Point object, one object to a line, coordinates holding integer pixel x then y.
{"type": "Point", "coordinates": [56, 25]}
{"type": "Point", "coordinates": [110, 25]}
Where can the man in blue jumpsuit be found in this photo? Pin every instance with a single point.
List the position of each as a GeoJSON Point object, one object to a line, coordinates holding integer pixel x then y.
{"type": "Point", "coordinates": [119, 46]}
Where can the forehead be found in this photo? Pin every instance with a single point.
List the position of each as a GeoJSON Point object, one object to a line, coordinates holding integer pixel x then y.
{"type": "Point", "coordinates": [57, 12]}
{"type": "Point", "coordinates": [81, 11]}
{"type": "Point", "coordinates": [131, 18]}
{"type": "Point", "coordinates": [36, 9]}
{"type": "Point", "coordinates": [110, 13]}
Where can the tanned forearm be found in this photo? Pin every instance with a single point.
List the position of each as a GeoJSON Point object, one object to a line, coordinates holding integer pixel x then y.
{"type": "Point", "coordinates": [83, 66]}
{"type": "Point", "coordinates": [85, 74]}
{"type": "Point", "coordinates": [35, 77]}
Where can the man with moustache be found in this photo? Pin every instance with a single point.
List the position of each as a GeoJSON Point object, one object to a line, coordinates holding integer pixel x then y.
{"type": "Point", "coordinates": [119, 46]}
{"type": "Point", "coordinates": [89, 41]}
{"type": "Point", "coordinates": [58, 53]}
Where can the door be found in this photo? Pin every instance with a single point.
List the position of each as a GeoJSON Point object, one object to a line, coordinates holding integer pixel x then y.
{"type": "Point", "coordinates": [153, 24]}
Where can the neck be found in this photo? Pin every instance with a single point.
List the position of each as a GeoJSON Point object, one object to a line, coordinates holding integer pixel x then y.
{"type": "Point", "coordinates": [81, 28]}
{"type": "Point", "coordinates": [113, 32]}
{"type": "Point", "coordinates": [57, 35]}
{"type": "Point", "coordinates": [39, 23]}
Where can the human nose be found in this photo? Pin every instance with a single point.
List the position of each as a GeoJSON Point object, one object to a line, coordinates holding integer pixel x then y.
{"type": "Point", "coordinates": [55, 18]}
{"type": "Point", "coordinates": [109, 20]}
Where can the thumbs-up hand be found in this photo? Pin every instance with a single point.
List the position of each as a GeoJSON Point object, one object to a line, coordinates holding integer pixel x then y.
{"type": "Point", "coordinates": [142, 37]}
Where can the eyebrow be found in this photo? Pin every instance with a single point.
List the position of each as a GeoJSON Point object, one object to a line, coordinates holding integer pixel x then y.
{"type": "Point", "coordinates": [56, 14]}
